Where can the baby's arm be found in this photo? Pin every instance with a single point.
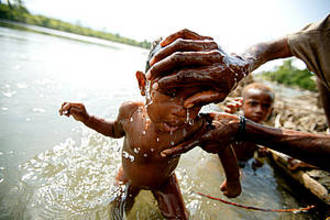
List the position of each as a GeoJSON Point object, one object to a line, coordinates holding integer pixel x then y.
{"type": "Point", "coordinates": [231, 187]}
{"type": "Point", "coordinates": [108, 128]}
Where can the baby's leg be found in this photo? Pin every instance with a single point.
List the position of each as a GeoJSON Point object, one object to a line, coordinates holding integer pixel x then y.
{"type": "Point", "coordinates": [125, 197]}
{"type": "Point", "coordinates": [231, 187]}
{"type": "Point", "coordinates": [170, 201]}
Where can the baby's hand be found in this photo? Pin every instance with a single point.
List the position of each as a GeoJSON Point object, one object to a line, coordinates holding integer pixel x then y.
{"type": "Point", "coordinates": [231, 189]}
{"type": "Point", "coordinates": [233, 105]}
{"type": "Point", "coordinates": [77, 110]}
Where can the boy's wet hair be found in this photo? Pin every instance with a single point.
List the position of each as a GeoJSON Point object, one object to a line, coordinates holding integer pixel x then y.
{"type": "Point", "coordinates": [154, 48]}
{"type": "Point", "coordinates": [260, 87]}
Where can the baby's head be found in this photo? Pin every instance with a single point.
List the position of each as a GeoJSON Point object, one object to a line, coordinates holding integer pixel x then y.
{"type": "Point", "coordinates": [166, 111]}
{"type": "Point", "coordinates": [258, 102]}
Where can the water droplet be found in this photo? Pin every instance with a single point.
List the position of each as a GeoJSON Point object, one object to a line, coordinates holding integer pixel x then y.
{"type": "Point", "coordinates": [128, 156]}
{"type": "Point", "coordinates": [188, 116]}
{"type": "Point", "coordinates": [136, 150]}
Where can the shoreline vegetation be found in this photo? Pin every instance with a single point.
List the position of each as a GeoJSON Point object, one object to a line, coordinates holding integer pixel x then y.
{"type": "Point", "coordinates": [289, 75]}
{"type": "Point", "coordinates": [19, 13]}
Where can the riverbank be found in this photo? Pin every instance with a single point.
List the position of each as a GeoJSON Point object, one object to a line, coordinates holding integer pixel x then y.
{"type": "Point", "coordinates": [21, 14]}
{"type": "Point", "coordinates": [61, 34]}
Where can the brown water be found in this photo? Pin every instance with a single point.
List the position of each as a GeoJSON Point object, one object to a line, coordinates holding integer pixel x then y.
{"type": "Point", "coordinates": [52, 167]}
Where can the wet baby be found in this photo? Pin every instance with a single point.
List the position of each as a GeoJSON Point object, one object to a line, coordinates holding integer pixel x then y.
{"type": "Point", "coordinates": [149, 128]}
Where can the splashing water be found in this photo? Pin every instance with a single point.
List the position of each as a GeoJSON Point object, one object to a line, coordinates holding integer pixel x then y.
{"type": "Point", "coordinates": [74, 181]}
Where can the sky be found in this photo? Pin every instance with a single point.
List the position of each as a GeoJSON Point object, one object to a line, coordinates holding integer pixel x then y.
{"type": "Point", "coordinates": [234, 24]}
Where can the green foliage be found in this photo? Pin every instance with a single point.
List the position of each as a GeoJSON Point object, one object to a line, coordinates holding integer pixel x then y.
{"type": "Point", "coordinates": [289, 75]}
{"type": "Point", "coordinates": [20, 13]}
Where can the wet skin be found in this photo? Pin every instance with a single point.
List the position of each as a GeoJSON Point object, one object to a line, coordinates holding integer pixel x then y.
{"type": "Point", "coordinates": [148, 130]}
{"type": "Point", "coordinates": [187, 59]}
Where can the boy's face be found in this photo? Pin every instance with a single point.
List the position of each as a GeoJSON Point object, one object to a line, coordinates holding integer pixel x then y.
{"type": "Point", "coordinates": [257, 105]}
{"type": "Point", "coordinates": [167, 111]}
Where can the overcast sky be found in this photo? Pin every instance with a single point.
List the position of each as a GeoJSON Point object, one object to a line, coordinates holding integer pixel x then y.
{"type": "Point", "coordinates": [235, 24]}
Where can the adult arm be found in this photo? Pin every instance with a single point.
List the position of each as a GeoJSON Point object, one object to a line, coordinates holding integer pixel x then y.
{"type": "Point", "coordinates": [263, 52]}
{"type": "Point", "coordinates": [187, 59]}
{"type": "Point", "coordinates": [308, 147]}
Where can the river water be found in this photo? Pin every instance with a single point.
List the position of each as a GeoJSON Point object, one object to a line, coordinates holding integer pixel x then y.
{"type": "Point", "coordinates": [52, 167]}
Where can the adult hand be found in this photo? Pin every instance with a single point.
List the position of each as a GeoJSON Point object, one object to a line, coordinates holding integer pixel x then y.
{"type": "Point", "coordinates": [223, 130]}
{"type": "Point", "coordinates": [195, 60]}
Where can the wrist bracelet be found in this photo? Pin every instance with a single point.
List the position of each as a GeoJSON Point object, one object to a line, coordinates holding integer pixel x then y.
{"type": "Point", "coordinates": [241, 129]}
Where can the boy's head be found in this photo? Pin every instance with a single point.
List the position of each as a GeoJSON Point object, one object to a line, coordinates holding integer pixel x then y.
{"type": "Point", "coordinates": [166, 111]}
{"type": "Point", "coordinates": [258, 102]}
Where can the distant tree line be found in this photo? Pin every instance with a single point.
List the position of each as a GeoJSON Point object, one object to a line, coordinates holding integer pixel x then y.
{"type": "Point", "coordinates": [290, 75]}
{"type": "Point", "coordinates": [17, 12]}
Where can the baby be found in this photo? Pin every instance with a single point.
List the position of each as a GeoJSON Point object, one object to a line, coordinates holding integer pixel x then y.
{"type": "Point", "coordinates": [257, 106]}
{"type": "Point", "coordinates": [148, 129]}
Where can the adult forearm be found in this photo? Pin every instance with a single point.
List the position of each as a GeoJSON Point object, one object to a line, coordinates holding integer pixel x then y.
{"type": "Point", "coordinates": [311, 148]}
{"type": "Point", "coordinates": [263, 52]}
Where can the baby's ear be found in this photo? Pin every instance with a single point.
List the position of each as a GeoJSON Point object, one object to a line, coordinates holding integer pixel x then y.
{"type": "Point", "coordinates": [141, 78]}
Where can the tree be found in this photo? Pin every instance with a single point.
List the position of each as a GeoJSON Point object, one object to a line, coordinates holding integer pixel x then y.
{"type": "Point", "coordinates": [290, 75]}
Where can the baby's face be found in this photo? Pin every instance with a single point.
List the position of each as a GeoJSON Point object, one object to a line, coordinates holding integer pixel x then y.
{"type": "Point", "coordinates": [257, 105]}
{"type": "Point", "coordinates": [167, 111]}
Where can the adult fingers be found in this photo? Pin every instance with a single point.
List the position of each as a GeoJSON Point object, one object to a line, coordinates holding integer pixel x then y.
{"type": "Point", "coordinates": [183, 45]}
{"type": "Point", "coordinates": [185, 34]}
{"type": "Point", "coordinates": [184, 59]}
{"type": "Point", "coordinates": [180, 149]}
{"type": "Point", "coordinates": [188, 78]}
{"type": "Point", "coordinates": [204, 97]}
